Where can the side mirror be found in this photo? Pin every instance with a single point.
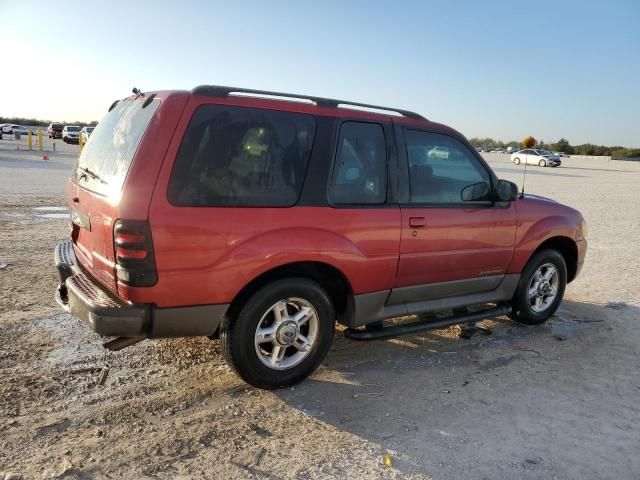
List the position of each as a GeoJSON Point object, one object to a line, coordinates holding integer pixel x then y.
{"type": "Point", "coordinates": [506, 191]}
{"type": "Point", "coordinates": [475, 192]}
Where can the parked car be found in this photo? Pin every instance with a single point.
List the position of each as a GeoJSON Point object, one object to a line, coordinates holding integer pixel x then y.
{"type": "Point", "coordinates": [561, 154]}
{"type": "Point", "coordinates": [535, 157]}
{"type": "Point", "coordinates": [54, 130]}
{"type": "Point", "coordinates": [180, 229]}
{"type": "Point", "coordinates": [438, 152]}
{"type": "Point", "coordinates": [17, 130]}
{"type": "Point", "coordinates": [85, 133]}
{"type": "Point", "coordinates": [10, 127]}
{"type": "Point", "coordinates": [70, 134]}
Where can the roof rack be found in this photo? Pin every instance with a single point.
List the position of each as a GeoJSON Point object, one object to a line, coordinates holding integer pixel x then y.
{"type": "Point", "coordinates": [220, 91]}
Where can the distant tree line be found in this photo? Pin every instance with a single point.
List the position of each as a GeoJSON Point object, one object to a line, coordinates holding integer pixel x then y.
{"type": "Point", "coordinates": [34, 122]}
{"type": "Point", "coordinates": [563, 145]}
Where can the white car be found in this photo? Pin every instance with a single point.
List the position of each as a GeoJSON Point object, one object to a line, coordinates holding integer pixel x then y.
{"type": "Point", "coordinates": [531, 156]}
{"type": "Point", "coordinates": [71, 134]}
{"type": "Point", "coordinates": [438, 152]}
{"type": "Point", "coordinates": [85, 133]}
{"type": "Point", "coordinates": [12, 128]}
{"type": "Point", "coordinates": [16, 130]}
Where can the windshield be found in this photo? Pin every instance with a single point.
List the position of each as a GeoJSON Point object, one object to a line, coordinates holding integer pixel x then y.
{"type": "Point", "coordinates": [111, 147]}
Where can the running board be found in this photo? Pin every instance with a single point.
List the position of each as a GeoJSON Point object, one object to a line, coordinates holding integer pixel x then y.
{"type": "Point", "coordinates": [422, 325]}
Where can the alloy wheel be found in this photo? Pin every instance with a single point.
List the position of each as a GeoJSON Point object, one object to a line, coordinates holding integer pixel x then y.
{"type": "Point", "coordinates": [543, 287]}
{"type": "Point", "coordinates": [286, 333]}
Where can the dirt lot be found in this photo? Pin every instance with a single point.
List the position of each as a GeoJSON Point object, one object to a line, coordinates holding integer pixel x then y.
{"type": "Point", "coordinates": [553, 401]}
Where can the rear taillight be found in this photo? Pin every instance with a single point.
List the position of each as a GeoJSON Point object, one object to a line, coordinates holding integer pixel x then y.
{"type": "Point", "coordinates": [135, 263]}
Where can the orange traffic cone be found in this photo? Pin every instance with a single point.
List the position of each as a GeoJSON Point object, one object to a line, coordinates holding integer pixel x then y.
{"type": "Point", "coordinates": [45, 156]}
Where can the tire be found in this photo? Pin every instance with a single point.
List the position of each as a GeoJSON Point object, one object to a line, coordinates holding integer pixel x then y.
{"type": "Point", "coordinates": [542, 163]}
{"type": "Point", "coordinates": [253, 361]}
{"type": "Point", "coordinates": [516, 161]}
{"type": "Point", "coordinates": [526, 308]}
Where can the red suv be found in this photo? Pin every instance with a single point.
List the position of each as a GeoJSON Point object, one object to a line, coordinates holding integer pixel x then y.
{"type": "Point", "coordinates": [264, 218]}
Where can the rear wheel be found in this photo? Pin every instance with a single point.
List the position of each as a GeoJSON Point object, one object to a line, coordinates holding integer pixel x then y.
{"type": "Point", "coordinates": [516, 161]}
{"type": "Point", "coordinates": [540, 289]}
{"type": "Point", "coordinates": [542, 163]}
{"type": "Point", "coordinates": [281, 334]}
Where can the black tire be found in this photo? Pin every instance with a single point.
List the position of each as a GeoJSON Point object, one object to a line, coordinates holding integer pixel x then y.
{"type": "Point", "coordinates": [237, 334]}
{"type": "Point", "coordinates": [523, 312]}
{"type": "Point", "coordinates": [542, 163]}
{"type": "Point", "coordinates": [516, 161]}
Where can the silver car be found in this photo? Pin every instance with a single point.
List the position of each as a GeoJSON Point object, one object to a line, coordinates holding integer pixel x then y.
{"type": "Point", "coordinates": [531, 156]}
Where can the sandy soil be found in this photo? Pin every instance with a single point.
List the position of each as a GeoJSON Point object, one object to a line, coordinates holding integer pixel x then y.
{"type": "Point", "coordinates": [553, 401]}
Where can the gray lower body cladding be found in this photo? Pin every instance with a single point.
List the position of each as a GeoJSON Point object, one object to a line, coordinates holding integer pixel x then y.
{"type": "Point", "coordinates": [373, 307]}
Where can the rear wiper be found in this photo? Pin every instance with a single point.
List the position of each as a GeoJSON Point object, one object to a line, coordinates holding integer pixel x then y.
{"type": "Point", "coordinates": [95, 176]}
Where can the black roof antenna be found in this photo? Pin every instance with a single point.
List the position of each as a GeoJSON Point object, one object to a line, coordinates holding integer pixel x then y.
{"type": "Point", "coordinates": [524, 178]}
{"type": "Point", "coordinates": [137, 91]}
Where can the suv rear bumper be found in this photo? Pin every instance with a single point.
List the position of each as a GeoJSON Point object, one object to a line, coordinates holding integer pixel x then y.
{"type": "Point", "coordinates": [79, 295]}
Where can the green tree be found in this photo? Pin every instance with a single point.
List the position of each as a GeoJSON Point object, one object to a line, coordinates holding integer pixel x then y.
{"type": "Point", "coordinates": [562, 145]}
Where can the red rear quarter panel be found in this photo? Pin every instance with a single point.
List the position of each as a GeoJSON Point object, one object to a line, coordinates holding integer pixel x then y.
{"type": "Point", "coordinates": [207, 255]}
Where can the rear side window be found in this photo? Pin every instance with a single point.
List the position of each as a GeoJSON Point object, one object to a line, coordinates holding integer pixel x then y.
{"type": "Point", "coordinates": [237, 156]}
{"type": "Point", "coordinates": [106, 158]}
{"type": "Point", "coordinates": [360, 169]}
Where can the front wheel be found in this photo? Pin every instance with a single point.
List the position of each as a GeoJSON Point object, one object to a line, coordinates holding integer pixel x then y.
{"type": "Point", "coordinates": [540, 289]}
{"type": "Point", "coordinates": [516, 161]}
{"type": "Point", "coordinates": [281, 334]}
{"type": "Point", "coordinates": [542, 163]}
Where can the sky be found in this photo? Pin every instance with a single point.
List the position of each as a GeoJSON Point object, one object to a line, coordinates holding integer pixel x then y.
{"type": "Point", "coordinates": [501, 69]}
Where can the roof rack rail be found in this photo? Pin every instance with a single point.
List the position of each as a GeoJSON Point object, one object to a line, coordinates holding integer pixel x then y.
{"type": "Point", "coordinates": [221, 91]}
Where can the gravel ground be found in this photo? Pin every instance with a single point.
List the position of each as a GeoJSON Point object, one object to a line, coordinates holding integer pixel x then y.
{"type": "Point", "coordinates": [552, 401]}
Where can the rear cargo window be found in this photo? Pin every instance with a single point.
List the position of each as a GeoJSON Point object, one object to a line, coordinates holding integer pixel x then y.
{"type": "Point", "coordinates": [237, 156]}
{"type": "Point", "coordinates": [107, 155]}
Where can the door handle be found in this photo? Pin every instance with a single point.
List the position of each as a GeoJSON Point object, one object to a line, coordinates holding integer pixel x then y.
{"type": "Point", "coordinates": [417, 222]}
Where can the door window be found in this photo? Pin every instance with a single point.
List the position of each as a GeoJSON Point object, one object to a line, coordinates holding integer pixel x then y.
{"type": "Point", "coordinates": [441, 167]}
{"type": "Point", "coordinates": [360, 170]}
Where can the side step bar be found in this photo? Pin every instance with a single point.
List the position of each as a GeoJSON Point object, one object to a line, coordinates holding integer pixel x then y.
{"type": "Point", "coordinates": [427, 324]}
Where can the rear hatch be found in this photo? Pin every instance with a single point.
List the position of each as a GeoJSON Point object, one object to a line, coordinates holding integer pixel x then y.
{"type": "Point", "coordinates": [97, 181]}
